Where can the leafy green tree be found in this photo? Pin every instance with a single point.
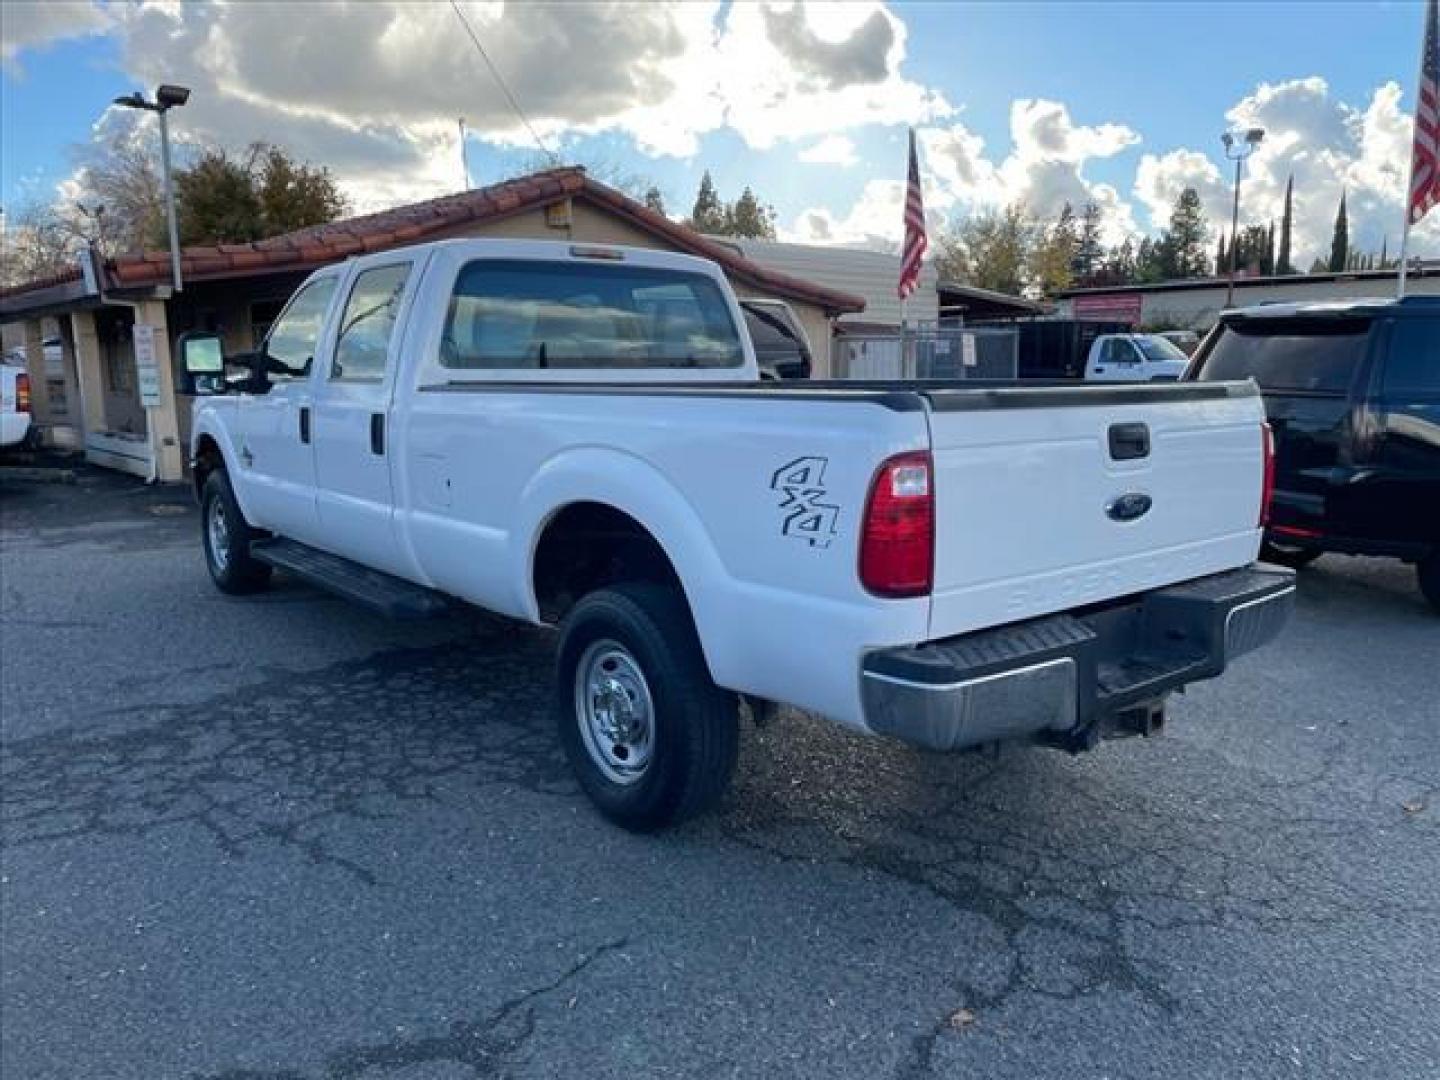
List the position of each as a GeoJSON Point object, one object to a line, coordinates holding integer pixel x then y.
{"type": "Point", "coordinates": [749, 218]}
{"type": "Point", "coordinates": [1283, 265]}
{"type": "Point", "coordinates": [294, 196]}
{"type": "Point", "coordinates": [989, 249]}
{"type": "Point", "coordinates": [1052, 257]}
{"type": "Point", "coordinates": [1340, 242]}
{"type": "Point", "coordinates": [1183, 253]}
{"type": "Point", "coordinates": [1089, 251]}
{"type": "Point", "coordinates": [216, 202]}
{"type": "Point", "coordinates": [1118, 265]}
{"type": "Point", "coordinates": [709, 214]}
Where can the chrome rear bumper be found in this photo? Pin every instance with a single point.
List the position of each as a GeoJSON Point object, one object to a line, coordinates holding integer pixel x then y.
{"type": "Point", "coordinates": [1073, 679]}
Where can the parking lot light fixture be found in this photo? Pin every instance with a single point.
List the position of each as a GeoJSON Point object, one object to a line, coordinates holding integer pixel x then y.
{"type": "Point", "coordinates": [167, 97]}
{"type": "Point", "coordinates": [1239, 145]}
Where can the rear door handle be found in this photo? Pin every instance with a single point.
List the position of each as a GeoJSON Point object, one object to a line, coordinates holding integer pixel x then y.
{"type": "Point", "coordinates": [377, 433]}
{"type": "Point", "coordinates": [305, 424]}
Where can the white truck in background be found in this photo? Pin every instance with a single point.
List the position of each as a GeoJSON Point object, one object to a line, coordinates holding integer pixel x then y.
{"type": "Point", "coordinates": [14, 405]}
{"type": "Point", "coordinates": [1134, 358]}
{"type": "Point", "coordinates": [578, 435]}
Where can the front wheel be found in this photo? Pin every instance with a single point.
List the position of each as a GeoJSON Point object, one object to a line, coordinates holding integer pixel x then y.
{"type": "Point", "coordinates": [650, 737]}
{"type": "Point", "coordinates": [226, 536]}
{"type": "Point", "coordinates": [1428, 573]}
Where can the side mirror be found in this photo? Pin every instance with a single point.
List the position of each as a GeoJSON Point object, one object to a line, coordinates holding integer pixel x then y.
{"type": "Point", "coordinates": [202, 359]}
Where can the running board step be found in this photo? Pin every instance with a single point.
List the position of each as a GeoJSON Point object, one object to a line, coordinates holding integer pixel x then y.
{"type": "Point", "coordinates": [382, 592]}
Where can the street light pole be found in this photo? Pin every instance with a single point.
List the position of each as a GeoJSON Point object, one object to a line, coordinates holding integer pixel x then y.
{"type": "Point", "coordinates": [1238, 147]}
{"type": "Point", "coordinates": [167, 97]}
{"type": "Point", "coordinates": [170, 199]}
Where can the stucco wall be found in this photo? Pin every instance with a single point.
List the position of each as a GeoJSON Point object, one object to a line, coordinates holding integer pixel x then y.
{"type": "Point", "coordinates": [1198, 309]}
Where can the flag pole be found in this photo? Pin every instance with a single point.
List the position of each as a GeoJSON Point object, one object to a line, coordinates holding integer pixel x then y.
{"type": "Point", "coordinates": [1414, 134]}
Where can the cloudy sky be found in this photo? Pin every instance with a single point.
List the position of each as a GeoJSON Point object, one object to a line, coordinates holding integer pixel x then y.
{"type": "Point", "coordinates": [1122, 103]}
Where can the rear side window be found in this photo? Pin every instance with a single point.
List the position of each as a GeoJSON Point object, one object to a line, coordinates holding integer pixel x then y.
{"type": "Point", "coordinates": [1286, 355]}
{"type": "Point", "coordinates": [537, 315]}
{"type": "Point", "coordinates": [1413, 366]}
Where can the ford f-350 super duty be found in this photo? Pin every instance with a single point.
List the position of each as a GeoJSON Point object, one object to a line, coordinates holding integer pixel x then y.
{"type": "Point", "coordinates": [578, 435]}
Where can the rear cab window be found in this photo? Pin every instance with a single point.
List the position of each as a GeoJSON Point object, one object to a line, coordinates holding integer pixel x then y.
{"type": "Point", "coordinates": [508, 314]}
{"type": "Point", "coordinates": [1288, 354]}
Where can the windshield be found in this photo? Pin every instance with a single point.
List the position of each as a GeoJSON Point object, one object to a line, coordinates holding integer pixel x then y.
{"type": "Point", "coordinates": [1289, 354]}
{"type": "Point", "coordinates": [511, 313]}
{"type": "Point", "coordinates": [1159, 348]}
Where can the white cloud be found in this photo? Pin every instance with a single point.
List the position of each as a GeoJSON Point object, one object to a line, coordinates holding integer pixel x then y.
{"type": "Point", "coordinates": [336, 83]}
{"type": "Point", "coordinates": [831, 150]}
{"type": "Point", "coordinates": [1044, 169]}
{"type": "Point", "coordinates": [1329, 146]}
{"type": "Point", "coordinates": [32, 24]}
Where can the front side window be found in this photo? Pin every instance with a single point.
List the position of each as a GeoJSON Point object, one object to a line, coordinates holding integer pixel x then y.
{"type": "Point", "coordinates": [363, 343]}
{"type": "Point", "coordinates": [514, 313]}
{"type": "Point", "coordinates": [295, 335]}
{"type": "Point", "coordinates": [1413, 367]}
{"type": "Point", "coordinates": [1286, 355]}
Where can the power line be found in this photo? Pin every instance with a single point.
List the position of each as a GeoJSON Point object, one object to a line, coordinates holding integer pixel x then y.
{"type": "Point", "coordinates": [514, 105]}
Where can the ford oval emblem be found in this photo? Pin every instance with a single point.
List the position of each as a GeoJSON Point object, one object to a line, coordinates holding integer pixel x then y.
{"type": "Point", "coordinates": [1128, 507]}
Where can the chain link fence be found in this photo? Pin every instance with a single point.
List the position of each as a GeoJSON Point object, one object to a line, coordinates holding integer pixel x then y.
{"type": "Point", "coordinates": [929, 353]}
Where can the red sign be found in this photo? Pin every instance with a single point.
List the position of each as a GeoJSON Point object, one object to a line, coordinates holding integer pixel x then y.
{"type": "Point", "coordinates": [1108, 307]}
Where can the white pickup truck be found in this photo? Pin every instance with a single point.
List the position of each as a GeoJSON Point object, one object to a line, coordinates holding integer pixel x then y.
{"type": "Point", "coordinates": [578, 435]}
{"type": "Point", "coordinates": [1134, 358]}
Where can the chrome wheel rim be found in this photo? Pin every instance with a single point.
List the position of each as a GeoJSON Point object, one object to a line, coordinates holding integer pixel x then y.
{"type": "Point", "coordinates": [217, 527]}
{"type": "Point", "coordinates": [615, 711]}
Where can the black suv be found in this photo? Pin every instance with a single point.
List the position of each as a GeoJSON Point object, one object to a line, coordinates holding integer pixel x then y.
{"type": "Point", "coordinates": [1352, 391]}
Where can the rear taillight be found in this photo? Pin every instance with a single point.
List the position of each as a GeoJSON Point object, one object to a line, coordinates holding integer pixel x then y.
{"type": "Point", "coordinates": [22, 393]}
{"type": "Point", "coordinates": [897, 539]}
{"type": "Point", "coordinates": [1267, 486]}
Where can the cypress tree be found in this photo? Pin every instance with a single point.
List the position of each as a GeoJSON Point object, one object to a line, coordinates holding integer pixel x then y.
{"type": "Point", "coordinates": [1283, 265]}
{"type": "Point", "coordinates": [1267, 257]}
{"type": "Point", "coordinates": [1222, 258]}
{"type": "Point", "coordinates": [1340, 243]}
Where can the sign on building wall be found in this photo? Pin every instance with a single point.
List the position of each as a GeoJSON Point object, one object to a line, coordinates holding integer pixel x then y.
{"type": "Point", "coordinates": [147, 368]}
{"type": "Point", "coordinates": [1108, 307]}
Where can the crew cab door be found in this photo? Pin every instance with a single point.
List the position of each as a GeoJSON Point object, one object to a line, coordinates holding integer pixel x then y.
{"type": "Point", "coordinates": [277, 466]}
{"type": "Point", "coordinates": [1114, 359]}
{"type": "Point", "coordinates": [353, 455]}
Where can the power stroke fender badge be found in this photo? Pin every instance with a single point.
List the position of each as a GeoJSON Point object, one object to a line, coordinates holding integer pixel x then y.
{"type": "Point", "coordinates": [1129, 507]}
{"type": "Point", "coordinates": [807, 517]}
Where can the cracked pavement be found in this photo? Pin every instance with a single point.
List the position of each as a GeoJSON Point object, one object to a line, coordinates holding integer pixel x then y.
{"type": "Point", "coordinates": [281, 838]}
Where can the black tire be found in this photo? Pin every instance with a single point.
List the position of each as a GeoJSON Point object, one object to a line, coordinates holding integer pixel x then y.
{"type": "Point", "coordinates": [234, 570]}
{"type": "Point", "coordinates": [1293, 557]}
{"type": "Point", "coordinates": [693, 725]}
{"type": "Point", "coordinates": [1427, 572]}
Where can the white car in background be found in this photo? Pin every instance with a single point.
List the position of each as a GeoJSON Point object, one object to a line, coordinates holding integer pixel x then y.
{"type": "Point", "coordinates": [14, 404]}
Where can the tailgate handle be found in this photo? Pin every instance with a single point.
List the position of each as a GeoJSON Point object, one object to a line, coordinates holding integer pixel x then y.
{"type": "Point", "coordinates": [1129, 441]}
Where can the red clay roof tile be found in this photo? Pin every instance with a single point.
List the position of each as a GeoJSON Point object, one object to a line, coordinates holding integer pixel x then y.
{"type": "Point", "coordinates": [405, 224]}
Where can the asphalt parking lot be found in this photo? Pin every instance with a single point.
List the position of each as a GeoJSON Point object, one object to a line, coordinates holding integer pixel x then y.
{"type": "Point", "coordinates": [282, 838]}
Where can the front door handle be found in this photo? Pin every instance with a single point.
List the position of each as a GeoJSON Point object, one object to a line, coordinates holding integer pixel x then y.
{"type": "Point", "coordinates": [377, 433]}
{"type": "Point", "coordinates": [305, 424]}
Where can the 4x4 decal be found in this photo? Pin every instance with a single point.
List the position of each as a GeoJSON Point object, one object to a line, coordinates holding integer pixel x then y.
{"type": "Point", "coordinates": [807, 517]}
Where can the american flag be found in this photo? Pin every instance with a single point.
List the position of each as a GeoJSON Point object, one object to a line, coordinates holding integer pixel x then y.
{"type": "Point", "coordinates": [1425, 159]}
{"type": "Point", "coordinates": [915, 241]}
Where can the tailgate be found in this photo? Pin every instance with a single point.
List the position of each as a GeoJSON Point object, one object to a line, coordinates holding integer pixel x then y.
{"type": "Point", "coordinates": [1051, 498]}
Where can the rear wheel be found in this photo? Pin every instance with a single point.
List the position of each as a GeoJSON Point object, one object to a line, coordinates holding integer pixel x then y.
{"type": "Point", "coordinates": [226, 536]}
{"type": "Point", "coordinates": [651, 738]}
{"type": "Point", "coordinates": [1288, 554]}
{"type": "Point", "coordinates": [1428, 573]}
